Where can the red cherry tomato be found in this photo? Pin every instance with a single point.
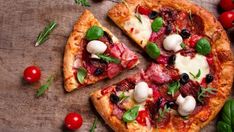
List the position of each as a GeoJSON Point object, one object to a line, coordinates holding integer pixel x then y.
{"type": "Point", "coordinates": [73, 121]}
{"type": "Point", "coordinates": [227, 19]}
{"type": "Point", "coordinates": [227, 5]}
{"type": "Point", "coordinates": [141, 118]}
{"type": "Point", "coordinates": [193, 40]}
{"type": "Point", "coordinates": [32, 74]}
{"type": "Point", "coordinates": [143, 10]}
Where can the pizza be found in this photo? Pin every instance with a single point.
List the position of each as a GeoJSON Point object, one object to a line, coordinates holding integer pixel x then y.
{"type": "Point", "coordinates": [93, 53]}
{"type": "Point", "coordinates": [189, 79]}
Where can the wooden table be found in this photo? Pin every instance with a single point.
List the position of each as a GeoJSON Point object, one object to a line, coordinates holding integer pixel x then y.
{"type": "Point", "coordinates": [20, 23]}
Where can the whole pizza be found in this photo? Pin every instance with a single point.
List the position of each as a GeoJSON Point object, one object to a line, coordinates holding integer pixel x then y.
{"type": "Point", "coordinates": [190, 76]}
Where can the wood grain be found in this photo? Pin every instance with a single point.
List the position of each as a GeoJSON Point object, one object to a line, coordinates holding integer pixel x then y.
{"type": "Point", "coordinates": [20, 23]}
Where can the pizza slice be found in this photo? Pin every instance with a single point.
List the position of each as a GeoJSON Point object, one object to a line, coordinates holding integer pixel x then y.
{"type": "Point", "coordinates": [93, 53]}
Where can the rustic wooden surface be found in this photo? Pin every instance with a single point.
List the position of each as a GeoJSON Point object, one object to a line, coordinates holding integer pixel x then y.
{"type": "Point", "coordinates": [20, 23]}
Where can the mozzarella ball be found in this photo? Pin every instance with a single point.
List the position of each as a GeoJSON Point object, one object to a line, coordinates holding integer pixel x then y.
{"type": "Point", "coordinates": [96, 47]}
{"type": "Point", "coordinates": [172, 42]}
{"type": "Point", "coordinates": [186, 105]}
{"type": "Point", "coordinates": [141, 92]}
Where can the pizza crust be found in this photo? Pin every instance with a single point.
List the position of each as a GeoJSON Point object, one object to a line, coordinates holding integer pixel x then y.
{"type": "Point", "coordinates": [73, 50]}
{"type": "Point", "coordinates": [223, 58]}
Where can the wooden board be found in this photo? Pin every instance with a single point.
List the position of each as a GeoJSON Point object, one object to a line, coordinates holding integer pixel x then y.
{"type": "Point", "coordinates": [20, 23]}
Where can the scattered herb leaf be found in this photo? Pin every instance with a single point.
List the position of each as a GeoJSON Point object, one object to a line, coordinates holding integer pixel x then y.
{"type": "Point", "coordinates": [131, 114]}
{"type": "Point", "coordinates": [182, 45]}
{"type": "Point", "coordinates": [82, 3]}
{"type": "Point", "coordinates": [162, 112]}
{"type": "Point", "coordinates": [108, 59]}
{"type": "Point", "coordinates": [81, 74]}
{"type": "Point", "coordinates": [173, 87]}
{"type": "Point", "coordinates": [44, 87]}
{"type": "Point", "coordinates": [122, 97]}
{"type": "Point", "coordinates": [44, 35]}
{"type": "Point", "coordinates": [197, 75]}
{"type": "Point", "coordinates": [94, 125]}
{"type": "Point", "coordinates": [204, 93]}
{"type": "Point", "coordinates": [137, 15]}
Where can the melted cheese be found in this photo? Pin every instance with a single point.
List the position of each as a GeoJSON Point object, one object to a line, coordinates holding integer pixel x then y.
{"type": "Point", "coordinates": [141, 31]}
{"type": "Point", "coordinates": [188, 65]}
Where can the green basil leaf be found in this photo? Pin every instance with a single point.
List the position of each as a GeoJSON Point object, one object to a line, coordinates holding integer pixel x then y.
{"type": "Point", "coordinates": [108, 59]}
{"type": "Point", "coordinates": [228, 113]}
{"type": "Point", "coordinates": [223, 127]}
{"type": "Point", "coordinates": [94, 33]}
{"type": "Point", "coordinates": [44, 87]}
{"type": "Point", "coordinates": [203, 46]}
{"type": "Point", "coordinates": [173, 87]}
{"type": "Point", "coordinates": [182, 45]}
{"type": "Point", "coordinates": [157, 24]}
{"type": "Point", "coordinates": [81, 74]}
{"type": "Point", "coordinates": [152, 50]}
{"type": "Point", "coordinates": [131, 114]}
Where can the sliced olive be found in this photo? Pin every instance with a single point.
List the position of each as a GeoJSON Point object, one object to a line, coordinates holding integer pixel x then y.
{"type": "Point", "coordinates": [171, 60]}
{"type": "Point", "coordinates": [170, 104]}
{"type": "Point", "coordinates": [153, 14]}
{"type": "Point", "coordinates": [209, 78]}
{"type": "Point", "coordinates": [168, 29]}
{"type": "Point", "coordinates": [98, 71]}
{"type": "Point", "coordinates": [185, 33]}
{"type": "Point", "coordinates": [114, 98]}
{"type": "Point", "coordinates": [184, 78]}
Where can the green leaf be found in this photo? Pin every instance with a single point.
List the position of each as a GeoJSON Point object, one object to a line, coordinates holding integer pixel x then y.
{"type": "Point", "coordinates": [173, 87]}
{"type": "Point", "coordinates": [81, 74]}
{"type": "Point", "coordinates": [108, 59]}
{"type": "Point", "coordinates": [223, 127]}
{"type": "Point", "coordinates": [44, 87]}
{"type": "Point", "coordinates": [138, 16]}
{"type": "Point", "coordinates": [152, 50]}
{"type": "Point", "coordinates": [94, 125]}
{"type": "Point", "coordinates": [203, 46]}
{"type": "Point", "coordinates": [94, 33]}
{"type": "Point", "coordinates": [227, 114]}
{"type": "Point", "coordinates": [182, 45]}
{"type": "Point", "coordinates": [43, 36]}
{"type": "Point", "coordinates": [82, 3]}
{"type": "Point", "coordinates": [122, 97]}
{"type": "Point", "coordinates": [157, 24]}
{"type": "Point", "coordinates": [131, 114]}
{"type": "Point", "coordinates": [162, 112]}
{"type": "Point", "coordinates": [203, 93]}
{"type": "Point", "coordinates": [197, 75]}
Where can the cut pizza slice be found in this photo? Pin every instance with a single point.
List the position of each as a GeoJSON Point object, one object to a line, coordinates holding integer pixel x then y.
{"type": "Point", "coordinates": [93, 53]}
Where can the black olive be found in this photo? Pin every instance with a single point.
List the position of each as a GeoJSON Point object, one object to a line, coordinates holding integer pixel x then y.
{"type": "Point", "coordinates": [185, 33]}
{"type": "Point", "coordinates": [114, 98]}
{"type": "Point", "coordinates": [158, 103]}
{"type": "Point", "coordinates": [153, 14]}
{"type": "Point", "coordinates": [184, 78]}
{"type": "Point", "coordinates": [170, 104]}
{"type": "Point", "coordinates": [209, 78]}
{"type": "Point", "coordinates": [98, 71]}
{"type": "Point", "coordinates": [171, 60]}
{"type": "Point", "coordinates": [168, 29]}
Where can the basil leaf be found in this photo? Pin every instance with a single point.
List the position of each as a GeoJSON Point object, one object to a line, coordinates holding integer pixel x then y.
{"type": "Point", "coordinates": [223, 127]}
{"type": "Point", "coordinates": [82, 2]}
{"type": "Point", "coordinates": [152, 50]}
{"type": "Point", "coordinates": [157, 24]}
{"type": "Point", "coordinates": [131, 114]}
{"type": "Point", "coordinates": [197, 75]}
{"type": "Point", "coordinates": [182, 45]}
{"type": "Point", "coordinates": [203, 46]}
{"type": "Point", "coordinates": [108, 59]}
{"type": "Point", "coordinates": [94, 125]}
{"type": "Point", "coordinates": [173, 87]}
{"type": "Point", "coordinates": [44, 87]}
{"type": "Point", "coordinates": [94, 33]}
{"type": "Point", "coordinates": [81, 74]}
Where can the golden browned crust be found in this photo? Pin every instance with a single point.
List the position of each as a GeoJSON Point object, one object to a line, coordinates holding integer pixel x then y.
{"type": "Point", "coordinates": [223, 58]}
{"type": "Point", "coordinates": [73, 50]}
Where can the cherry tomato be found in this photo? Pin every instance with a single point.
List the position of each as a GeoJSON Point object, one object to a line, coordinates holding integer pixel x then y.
{"type": "Point", "coordinates": [143, 10]}
{"type": "Point", "coordinates": [227, 5]}
{"type": "Point", "coordinates": [227, 19]}
{"type": "Point", "coordinates": [73, 121]}
{"type": "Point", "coordinates": [141, 118]}
{"type": "Point", "coordinates": [193, 40]}
{"type": "Point", "coordinates": [32, 74]}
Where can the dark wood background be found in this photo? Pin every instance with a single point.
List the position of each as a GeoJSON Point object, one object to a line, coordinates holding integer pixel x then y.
{"type": "Point", "coordinates": [20, 23]}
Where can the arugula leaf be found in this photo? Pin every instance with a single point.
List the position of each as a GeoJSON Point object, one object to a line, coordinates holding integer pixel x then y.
{"type": "Point", "coordinates": [137, 15]}
{"type": "Point", "coordinates": [44, 87]}
{"type": "Point", "coordinates": [108, 59]}
{"type": "Point", "coordinates": [203, 93]}
{"type": "Point", "coordinates": [94, 125]}
{"type": "Point", "coordinates": [197, 75]}
{"type": "Point", "coordinates": [173, 87]}
{"type": "Point", "coordinates": [182, 45]}
{"type": "Point", "coordinates": [122, 97]}
{"type": "Point", "coordinates": [43, 36]}
{"type": "Point", "coordinates": [81, 74]}
{"type": "Point", "coordinates": [83, 3]}
{"type": "Point", "coordinates": [131, 114]}
{"type": "Point", "coordinates": [162, 112]}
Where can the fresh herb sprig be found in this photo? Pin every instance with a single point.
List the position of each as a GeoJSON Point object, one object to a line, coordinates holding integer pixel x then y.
{"type": "Point", "coordinates": [197, 75]}
{"type": "Point", "coordinates": [173, 88]}
{"type": "Point", "coordinates": [81, 74]}
{"type": "Point", "coordinates": [204, 93]}
{"type": "Point", "coordinates": [108, 59]}
{"type": "Point", "coordinates": [82, 3]}
{"type": "Point", "coordinates": [44, 87]}
{"type": "Point", "coordinates": [44, 35]}
{"type": "Point", "coordinates": [122, 97]}
{"type": "Point", "coordinates": [162, 112]}
{"type": "Point", "coordinates": [94, 125]}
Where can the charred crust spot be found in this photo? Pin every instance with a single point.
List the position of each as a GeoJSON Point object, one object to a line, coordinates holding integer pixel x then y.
{"type": "Point", "coordinates": [224, 55]}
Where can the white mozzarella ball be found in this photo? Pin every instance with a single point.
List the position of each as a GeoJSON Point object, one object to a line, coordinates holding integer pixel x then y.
{"type": "Point", "coordinates": [172, 42]}
{"type": "Point", "coordinates": [141, 92]}
{"type": "Point", "coordinates": [186, 105]}
{"type": "Point", "coordinates": [96, 47]}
